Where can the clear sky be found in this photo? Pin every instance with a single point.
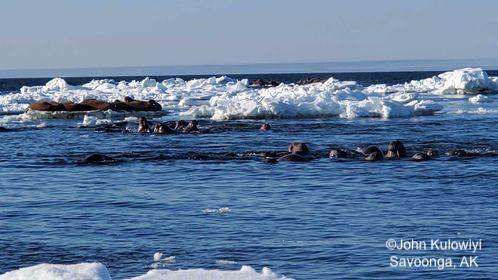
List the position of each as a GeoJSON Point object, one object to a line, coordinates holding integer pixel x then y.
{"type": "Point", "coordinates": [37, 34]}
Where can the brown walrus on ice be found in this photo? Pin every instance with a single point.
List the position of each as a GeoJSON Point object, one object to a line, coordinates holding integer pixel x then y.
{"type": "Point", "coordinates": [128, 105]}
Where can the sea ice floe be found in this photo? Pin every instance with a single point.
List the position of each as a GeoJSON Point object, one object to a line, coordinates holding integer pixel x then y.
{"type": "Point", "coordinates": [245, 273]}
{"type": "Point", "coordinates": [97, 271]}
{"type": "Point", "coordinates": [222, 98]}
{"type": "Point", "coordinates": [82, 271]}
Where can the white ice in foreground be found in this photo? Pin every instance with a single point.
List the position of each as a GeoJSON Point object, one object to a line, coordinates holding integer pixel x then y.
{"type": "Point", "coordinates": [97, 271]}
{"type": "Point", "coordinates": [82, 271]}
{"type": "Point", "coordinates": [225, 98]}
{"type": "Point", "coordinates": [245, 273]}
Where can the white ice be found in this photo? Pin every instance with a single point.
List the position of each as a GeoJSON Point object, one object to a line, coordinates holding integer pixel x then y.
{"type": "Point", "coordinates": [82, 271]}
{"type": "Point", "coordinates": [97, 271]}
{"type": "Point", "coordinates": [245, 273]}
{"type": "Point", "coordinates": [222, 98]}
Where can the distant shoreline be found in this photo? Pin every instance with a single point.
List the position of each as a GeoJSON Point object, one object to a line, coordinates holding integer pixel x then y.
{"type": "Point", "coordinates": [248, 69]}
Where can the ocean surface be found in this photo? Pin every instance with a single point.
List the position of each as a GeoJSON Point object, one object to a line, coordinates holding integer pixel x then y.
{"type": "Point", "coordinates": [208, 199]}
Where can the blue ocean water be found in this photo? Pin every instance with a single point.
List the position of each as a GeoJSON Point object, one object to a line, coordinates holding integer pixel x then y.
{"type": "Point", "coordinates": [322, 219]}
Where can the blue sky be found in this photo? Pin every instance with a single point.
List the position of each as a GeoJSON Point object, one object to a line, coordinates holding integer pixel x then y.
{"type": "Point", "coordinates": [96, 33]}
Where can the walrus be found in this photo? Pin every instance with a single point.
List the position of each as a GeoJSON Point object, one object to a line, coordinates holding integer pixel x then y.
{"type": "Point", "coordinates": [161, 128]}
{"type": "Point", "coordinates": [180, 125]}
{"type": "Point", "coordinates": [459, 153]}
{"type": "Point", "coordinates": [373, 153]}
{"type": "Point", "coordinates": [143, 125]}
{"type": "Point", "coordinates": [191, 127]}
{"type": "Point", "coordinates": [47, 106]}
{"type": "Point", "coordinates": [263, 83]}
{"type": "Point", "coordinates": [265, 126]}
{"type": "Point", "coordinates": [77, 107]}
{"type": "Point", "coordinates": [97, 104]}
{"type": "Point", "coordinates": [338, 153]}
{"type": "Point", "coordinates": [310, 81]}
{"type": "Point", "coordinates": [298, 151]}
{"type": "Point", "coordinates": [395, 150]}
{"type": "Point", "coordinates": [97, 158]}
{"type": "Point", "coordinates": [145, 106]}
{"type": "Point", "coordinates": [421, 157]}
{"type": "Point", "coordinates": [432, 153]}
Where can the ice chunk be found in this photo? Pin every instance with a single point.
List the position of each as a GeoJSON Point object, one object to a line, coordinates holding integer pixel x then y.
{"type": "Point", "coordinates": [478, 99]}
{"type": "Point", "coordinates": [245, 273]}
{"type": "Point", "coordinates": [82, 271]}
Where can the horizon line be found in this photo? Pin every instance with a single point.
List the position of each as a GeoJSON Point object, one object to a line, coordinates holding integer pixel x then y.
{"type": "Point", "coordinates": [355, 66]}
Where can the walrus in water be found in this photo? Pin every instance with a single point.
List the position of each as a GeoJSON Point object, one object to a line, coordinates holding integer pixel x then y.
{"type": "Point", "coordinates": [180, 125]}
{"type": "Point", "coordinates": [373, 153]}
{"type": "Point", "coordinates": [421, 157]}
{"type": "Point", "coordinates": [459, 153]}
{"type": "Point", "coordinates": [143, 125]}
{"type": "Point", "coordinates": [432, 153]}
{"type": "Point", "coordinates": [265, 126]}
{"type": "Point", "coordinates": [339, 153]}
{"type": "Point", "coordinates": [3, 129]}
{"type": "Point", "coordinates": [161, 128]}
{"type": "Point", "coordinates": [191, 127]}
{"type": "Point", "coordinates": [395, 150]}
{"type": "Point", "coordinates": [298, 151]}
{"type": "Point", "coordinates": [97, 158]}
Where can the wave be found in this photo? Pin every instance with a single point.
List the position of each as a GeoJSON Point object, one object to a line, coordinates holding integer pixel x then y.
{"type": "Point", "coordinates": [97, 271]}
{"type": "Point", "coordinates": [222, 98]}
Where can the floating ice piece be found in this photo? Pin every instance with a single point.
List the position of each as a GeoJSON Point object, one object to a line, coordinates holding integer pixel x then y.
{"type": "Point", "coordinates": [222, 210]}
{"type": "Point", "coordinates": [478, 99]}
{"type": "Point", "coordinates": [82, 271]}
{"type": "Point", "coordinates": [225, 262]}
{"type": "Point", "coordinates": [461, 81]}
{"type": "Point", "coordinates": [245, 273]}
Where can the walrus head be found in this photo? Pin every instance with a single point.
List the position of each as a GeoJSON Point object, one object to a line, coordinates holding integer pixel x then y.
{"type": "Point", "coordinates": [298, 148]}
{"type": "Point", "coordinates": [432, 153]}
{"type": "Point", "coordinates": [128, 99]}
{"type": "Point", "coordinates": [375, 156]}
{"type": "Point", "coordinates": [373, 153]}
{"type": "Point", "coordinates": [338, 153]}
{"type": "Point", "coordinates": [143, 125]}
{"type": "Point", "coordinates": [396, 149]}
{"type": "Point", "coordinates": [265, 126]}
{"type": "Point", "coordinates": [421, 157]}
{"type": "Point", "coordinates": [191, 127]}
{"type": "Point", "coordinates": [180, 124]}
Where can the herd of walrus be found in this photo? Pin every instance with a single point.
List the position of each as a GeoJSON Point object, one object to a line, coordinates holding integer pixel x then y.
{"type": "Point", "coordinates": [296, 151]}
{"type": "Point", "coordinates": [129, 105]}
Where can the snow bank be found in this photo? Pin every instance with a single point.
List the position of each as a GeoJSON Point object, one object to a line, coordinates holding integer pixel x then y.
{"type": "Point", "coordinates": [82, 271]}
